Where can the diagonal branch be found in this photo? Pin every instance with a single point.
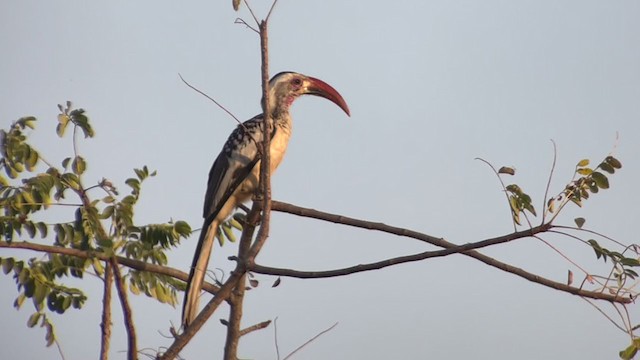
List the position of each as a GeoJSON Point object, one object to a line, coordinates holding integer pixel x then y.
{"type": "Point", "coordinates": [132, 351]}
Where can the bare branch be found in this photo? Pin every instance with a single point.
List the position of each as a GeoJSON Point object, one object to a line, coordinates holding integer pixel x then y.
{"type": "Point", "coordinates": [273, 5]}
{"type": "Point", "coordinates": [242, 22]}
{"type": "Point", "coordinates": [400, 259]}
{"type": "Point", "coordinates": [251, 11]}
{"type": "Point", "coordinates": [132, 351]}
{"type": "Point", "coordinates": [212, 99]}
{"type": "Point", "coordinates": [310, 341]}
{"type": "Point", "coordinates": [339, 219]}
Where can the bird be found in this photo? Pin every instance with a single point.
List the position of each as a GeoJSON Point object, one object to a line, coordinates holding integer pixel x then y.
{"type": "Point", "coordinates": [235, 173]}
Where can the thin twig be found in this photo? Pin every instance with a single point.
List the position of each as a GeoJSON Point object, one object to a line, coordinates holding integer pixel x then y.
{"type": "Point", "coordinates": [594, 233]}
{"type": "Point", "coordinates": [605, 315]}
{"type": "Point", "coordinates": [563, 255]}
{"type": "Point", "coordinates": [504, 188]}
{"type": "Point", "coordinates": [132, 350]}
{"type": "Point", "coordinates": [105, 326]}
{"type": "Point", "coordinates": [275, 337]}
{"type": "Point", "coordinates": [310, 341]}
{"type": "Point", "coordinates": [252, 14]}
{"type": "Point", "coordinates": [212, 99]}
{"type": "Point", "coordinates": [273, 5]}
{"type": "Point", "coordinates": [242, 22]}
{"type": "Point", "coordinates": [546, 190]}
{"type": "Point", "coordinates": [59, 349]}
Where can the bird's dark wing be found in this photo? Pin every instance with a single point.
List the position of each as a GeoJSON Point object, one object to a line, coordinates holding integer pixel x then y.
{"type": "Point", "coordinates": [232, 166]}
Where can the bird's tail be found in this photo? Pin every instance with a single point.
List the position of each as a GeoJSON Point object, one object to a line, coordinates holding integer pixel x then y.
{"type": "Point", "coordinates": [197, 273]}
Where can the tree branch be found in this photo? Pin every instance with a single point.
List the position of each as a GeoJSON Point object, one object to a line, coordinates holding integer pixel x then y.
{"type": "Point", "coordinates": [132, 351]}
{"type": "Point", "coordinates": [237, 300]}
{"type": "Point", "coordinates": [221, 295]}
{"type": "Point", "coordinates": [363, 224]}
{"type": "Point", "coordinates": [130, 263]}
{"type": "Point", "coordinates": [252, 328]}
{"type": "Point", "coordinates": [265, 161]}
{"type": "Point", "coordinates": [106, 312]}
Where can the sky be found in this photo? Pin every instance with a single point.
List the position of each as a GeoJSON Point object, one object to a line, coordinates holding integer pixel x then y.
{"type": "Point", "coordinates": [431, 85]}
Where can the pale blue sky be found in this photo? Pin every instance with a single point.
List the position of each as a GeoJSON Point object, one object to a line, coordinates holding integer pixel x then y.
{"type": "Point", "coordinates": [431, 85]}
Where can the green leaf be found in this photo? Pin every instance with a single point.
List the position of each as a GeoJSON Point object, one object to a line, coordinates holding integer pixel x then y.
{"type": "Point", "coordinates": [97, 266]}
{"type": "Point", "coordinates": [107, 212]}
{"type": "Point", "coordinates": [629, 261]}
{"type": "Point", "coordinates": [583, 163]}
{"type": "Point", "coordinates": [33, 319]}
{"type": "Point", "coordinates": [596, 247]}
{"type": "Point", "coordinates": [613, 162]}
{"type": "Point", "coordinates": [63, 121]}
{"type": "Point", "coordinates": [7, 265]}
{"type": "Point", "coordinates": [42, 228]}
{"type": "Point", "coordinates": [182, 228]}
{"type": "Point", "coordinates": [507, 170]}
{"type": "Point", "coordinates": [579, 222]}
{"type": "Point", "coordinates": [600, 179]}
{"type": "Point", "coordinates": [629, 352]}
{"type": "Point", "coordinates": [584, 171]}
{"type": "Point", "coordinates": [228, 232]}
{"type": "Point", "coordinates": [65, 162]}
{"type": "Point", "coordinates": [78, 165]}
{"type": "Point", "coordinates": [233, 222]}
{"type": "Point", "coordinates": [607, 168]}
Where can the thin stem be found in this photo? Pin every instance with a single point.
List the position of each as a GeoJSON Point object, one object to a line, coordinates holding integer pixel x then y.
{"type": "Point", "coordinates": [275, 337]}
{"type": "Point", "coordinates": [251, 11]}
{"type": "Point", "coordinates": [546, 190]}
{"type": "Point", "coordinates": [605, 315]}
{"type": "Point", "coordinates": [504, 189]}
{"type": "Point", "coordinates": [273, 5]}
{"type": "Point", "coordinates": [242, 22]}
{"type": "Point", "coordinates": [310, 341]}
{"type": "Point", "coordinates": [212, 99]}
{"type": "Point", "coordinates": [563, 255]}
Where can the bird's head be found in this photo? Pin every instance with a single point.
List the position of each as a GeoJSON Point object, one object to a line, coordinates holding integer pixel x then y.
{"type": "Point", "coordinates": [285, 87]}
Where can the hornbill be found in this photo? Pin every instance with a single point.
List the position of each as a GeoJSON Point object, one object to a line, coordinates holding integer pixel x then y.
{"type": "Point", "coordinates": [235, 173]}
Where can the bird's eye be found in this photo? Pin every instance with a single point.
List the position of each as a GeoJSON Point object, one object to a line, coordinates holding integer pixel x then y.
{"type": "Point", "coordinates": [296, 82]}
